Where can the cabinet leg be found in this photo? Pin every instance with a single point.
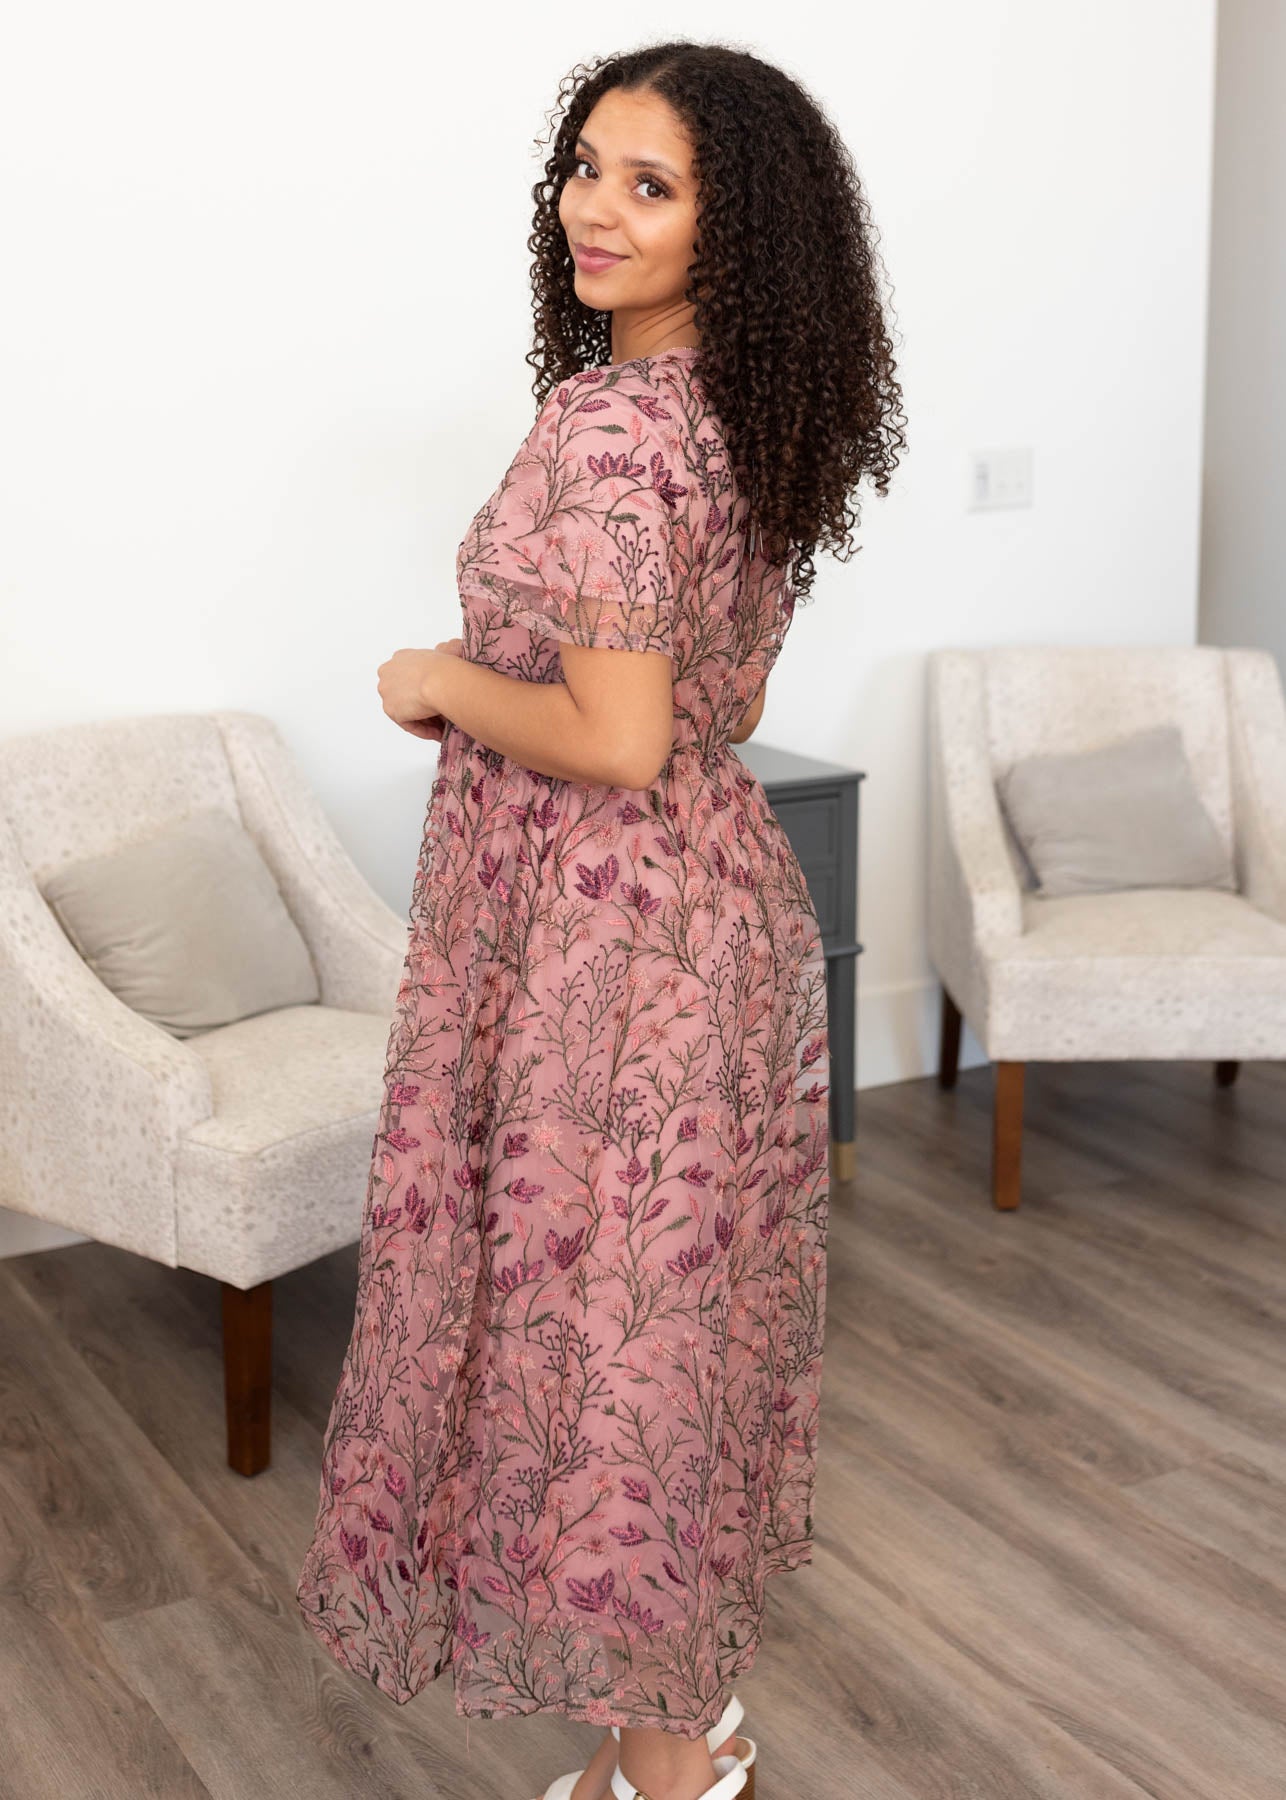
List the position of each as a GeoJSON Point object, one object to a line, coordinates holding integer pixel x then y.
{"type": "Point", "coordinates": [841, 1020]}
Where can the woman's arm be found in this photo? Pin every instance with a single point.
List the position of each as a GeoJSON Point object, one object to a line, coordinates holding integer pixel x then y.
{"type": "Point", "coordinates": [610, 721]}
{"type": "Point", "coordinates": [751, 717]}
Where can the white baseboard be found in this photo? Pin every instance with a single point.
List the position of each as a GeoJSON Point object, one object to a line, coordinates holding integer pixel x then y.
{"type": "Point", "coordinates": [898, 1028]}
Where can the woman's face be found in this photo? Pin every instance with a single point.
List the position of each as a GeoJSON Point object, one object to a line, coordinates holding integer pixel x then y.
{"type": "Point", "coordinates": [633, 192]}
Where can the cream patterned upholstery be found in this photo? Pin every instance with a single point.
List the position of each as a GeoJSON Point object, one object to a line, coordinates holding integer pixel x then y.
{"type": "Point", "coordinates": [1171, 973]}
{"type": "Point", "coordinates": [242, 1152]}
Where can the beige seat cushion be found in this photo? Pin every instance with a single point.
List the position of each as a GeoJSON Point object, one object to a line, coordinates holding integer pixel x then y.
{"type": "Point", "coordinates": [1147, 972]}
{"type": "Point", "coordinates": [278, 1174]}
{"type": "Point", "coordinates": [187, 926]}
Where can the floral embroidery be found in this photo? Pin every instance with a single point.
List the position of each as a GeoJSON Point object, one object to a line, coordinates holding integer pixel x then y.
{"type": "Point", "coordinates": [575, 1429]}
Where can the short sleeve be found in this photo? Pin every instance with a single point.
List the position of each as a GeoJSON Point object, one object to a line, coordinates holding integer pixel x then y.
{"type": "Point", "coordinates": [582, 537]}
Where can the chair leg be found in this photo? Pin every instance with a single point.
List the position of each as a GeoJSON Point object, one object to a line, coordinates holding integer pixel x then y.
{"type": "Point", "coordinates": [1007, 1135]}
{"type": "Point", "coordinates": [247, 1375]}
{"type": "Point", "coordinates": [949, 1042]}
{"type": "Point", "coordinates": [1226, 1073]}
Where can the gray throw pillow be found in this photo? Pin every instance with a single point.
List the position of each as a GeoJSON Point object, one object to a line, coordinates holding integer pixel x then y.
{"type": "Point", "coordinates": [187, 927]}
{"type": "Point", "coordinates": [1126, 815]}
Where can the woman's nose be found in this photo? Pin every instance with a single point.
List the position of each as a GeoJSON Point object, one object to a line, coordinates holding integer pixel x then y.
{"type": "Point", "coordinates": [598, 212]}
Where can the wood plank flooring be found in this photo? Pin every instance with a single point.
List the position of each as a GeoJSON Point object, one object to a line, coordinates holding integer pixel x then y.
{"type": "Point", "coordinates": [1051, 1512]}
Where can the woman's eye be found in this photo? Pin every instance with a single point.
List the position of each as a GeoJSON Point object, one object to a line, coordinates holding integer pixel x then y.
{"type": "Point", "coordinates": [583, 162]}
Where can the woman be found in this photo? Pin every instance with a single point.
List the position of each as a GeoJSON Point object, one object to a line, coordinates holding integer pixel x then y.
{"type": "Point", "coordinates": [576, 1426]}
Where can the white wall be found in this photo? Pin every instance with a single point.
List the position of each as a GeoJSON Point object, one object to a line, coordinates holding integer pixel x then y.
{"type": "Point", "coordinates": [1243, 540]}
{"type": "Point", "coordinates": [262, 358]}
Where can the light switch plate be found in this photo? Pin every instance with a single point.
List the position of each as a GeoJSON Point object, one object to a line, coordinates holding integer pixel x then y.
{"type": "Point", "coordinates": [1000, 478]}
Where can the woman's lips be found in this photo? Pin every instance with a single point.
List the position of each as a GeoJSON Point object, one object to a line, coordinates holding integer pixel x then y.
{"type": "Point", "coordinates": [595, 260]}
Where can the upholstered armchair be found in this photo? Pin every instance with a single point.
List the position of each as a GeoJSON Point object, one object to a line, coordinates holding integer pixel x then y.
{"type": "Point", "coordinates": [1159, 972]}
{"type": "Point", "coordinates": [243, 1151]}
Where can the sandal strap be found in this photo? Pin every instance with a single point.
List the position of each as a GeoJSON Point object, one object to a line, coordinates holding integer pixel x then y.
{"type": "Point", "coordinates": [733, 1713]}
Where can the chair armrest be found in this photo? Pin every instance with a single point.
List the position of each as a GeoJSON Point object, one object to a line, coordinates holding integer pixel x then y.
{"type": "Point", "coordinates": [975, 901]}
{"type": "Point", "coordinates": [1257, 734]}
{"type": "Point", "coordinates": [94, 1098]}
{"type": "Point", "coordinates": [358, 943]}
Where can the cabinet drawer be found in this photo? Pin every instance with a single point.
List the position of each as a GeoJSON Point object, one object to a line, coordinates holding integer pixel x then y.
{"type": "Point", "coordinates": [812, 825]}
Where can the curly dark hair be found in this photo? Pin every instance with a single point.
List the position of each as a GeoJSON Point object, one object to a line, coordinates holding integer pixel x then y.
{"type": "Point", "coordinates": [795, 356]}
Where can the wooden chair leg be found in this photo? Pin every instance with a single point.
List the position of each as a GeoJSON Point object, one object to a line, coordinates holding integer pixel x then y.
{"type": "Point", "coordinates": [1007, 1135]}
{"type": "Point", "coordinates": [1226, 1073]}
{"type": "Point", "coordinates": [949, 1042]}
{"type": "Point", "coordinates": [247, 1375]}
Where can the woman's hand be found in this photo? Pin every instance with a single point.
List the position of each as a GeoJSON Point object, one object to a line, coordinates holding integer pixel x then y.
{"type": "Point", "coordinates": [402, 684]}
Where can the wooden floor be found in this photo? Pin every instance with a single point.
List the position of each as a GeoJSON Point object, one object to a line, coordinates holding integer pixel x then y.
{"type": "Point", "coordinates": [1051, 1514]}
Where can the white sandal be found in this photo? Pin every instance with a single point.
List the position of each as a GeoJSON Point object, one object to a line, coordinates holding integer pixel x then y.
{"type": "Point", "coordinates": [561, 1786]}
{"type": "Point", "coordinates": [731, 1780]}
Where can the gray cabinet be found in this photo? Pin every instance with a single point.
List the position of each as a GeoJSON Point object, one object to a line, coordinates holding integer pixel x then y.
{"type": "Point", "coordinates": [817, 806]}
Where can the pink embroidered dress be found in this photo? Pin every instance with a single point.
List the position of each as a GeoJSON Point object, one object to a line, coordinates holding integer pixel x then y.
{"type": "Point", "coordinates": [576, 1425]}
